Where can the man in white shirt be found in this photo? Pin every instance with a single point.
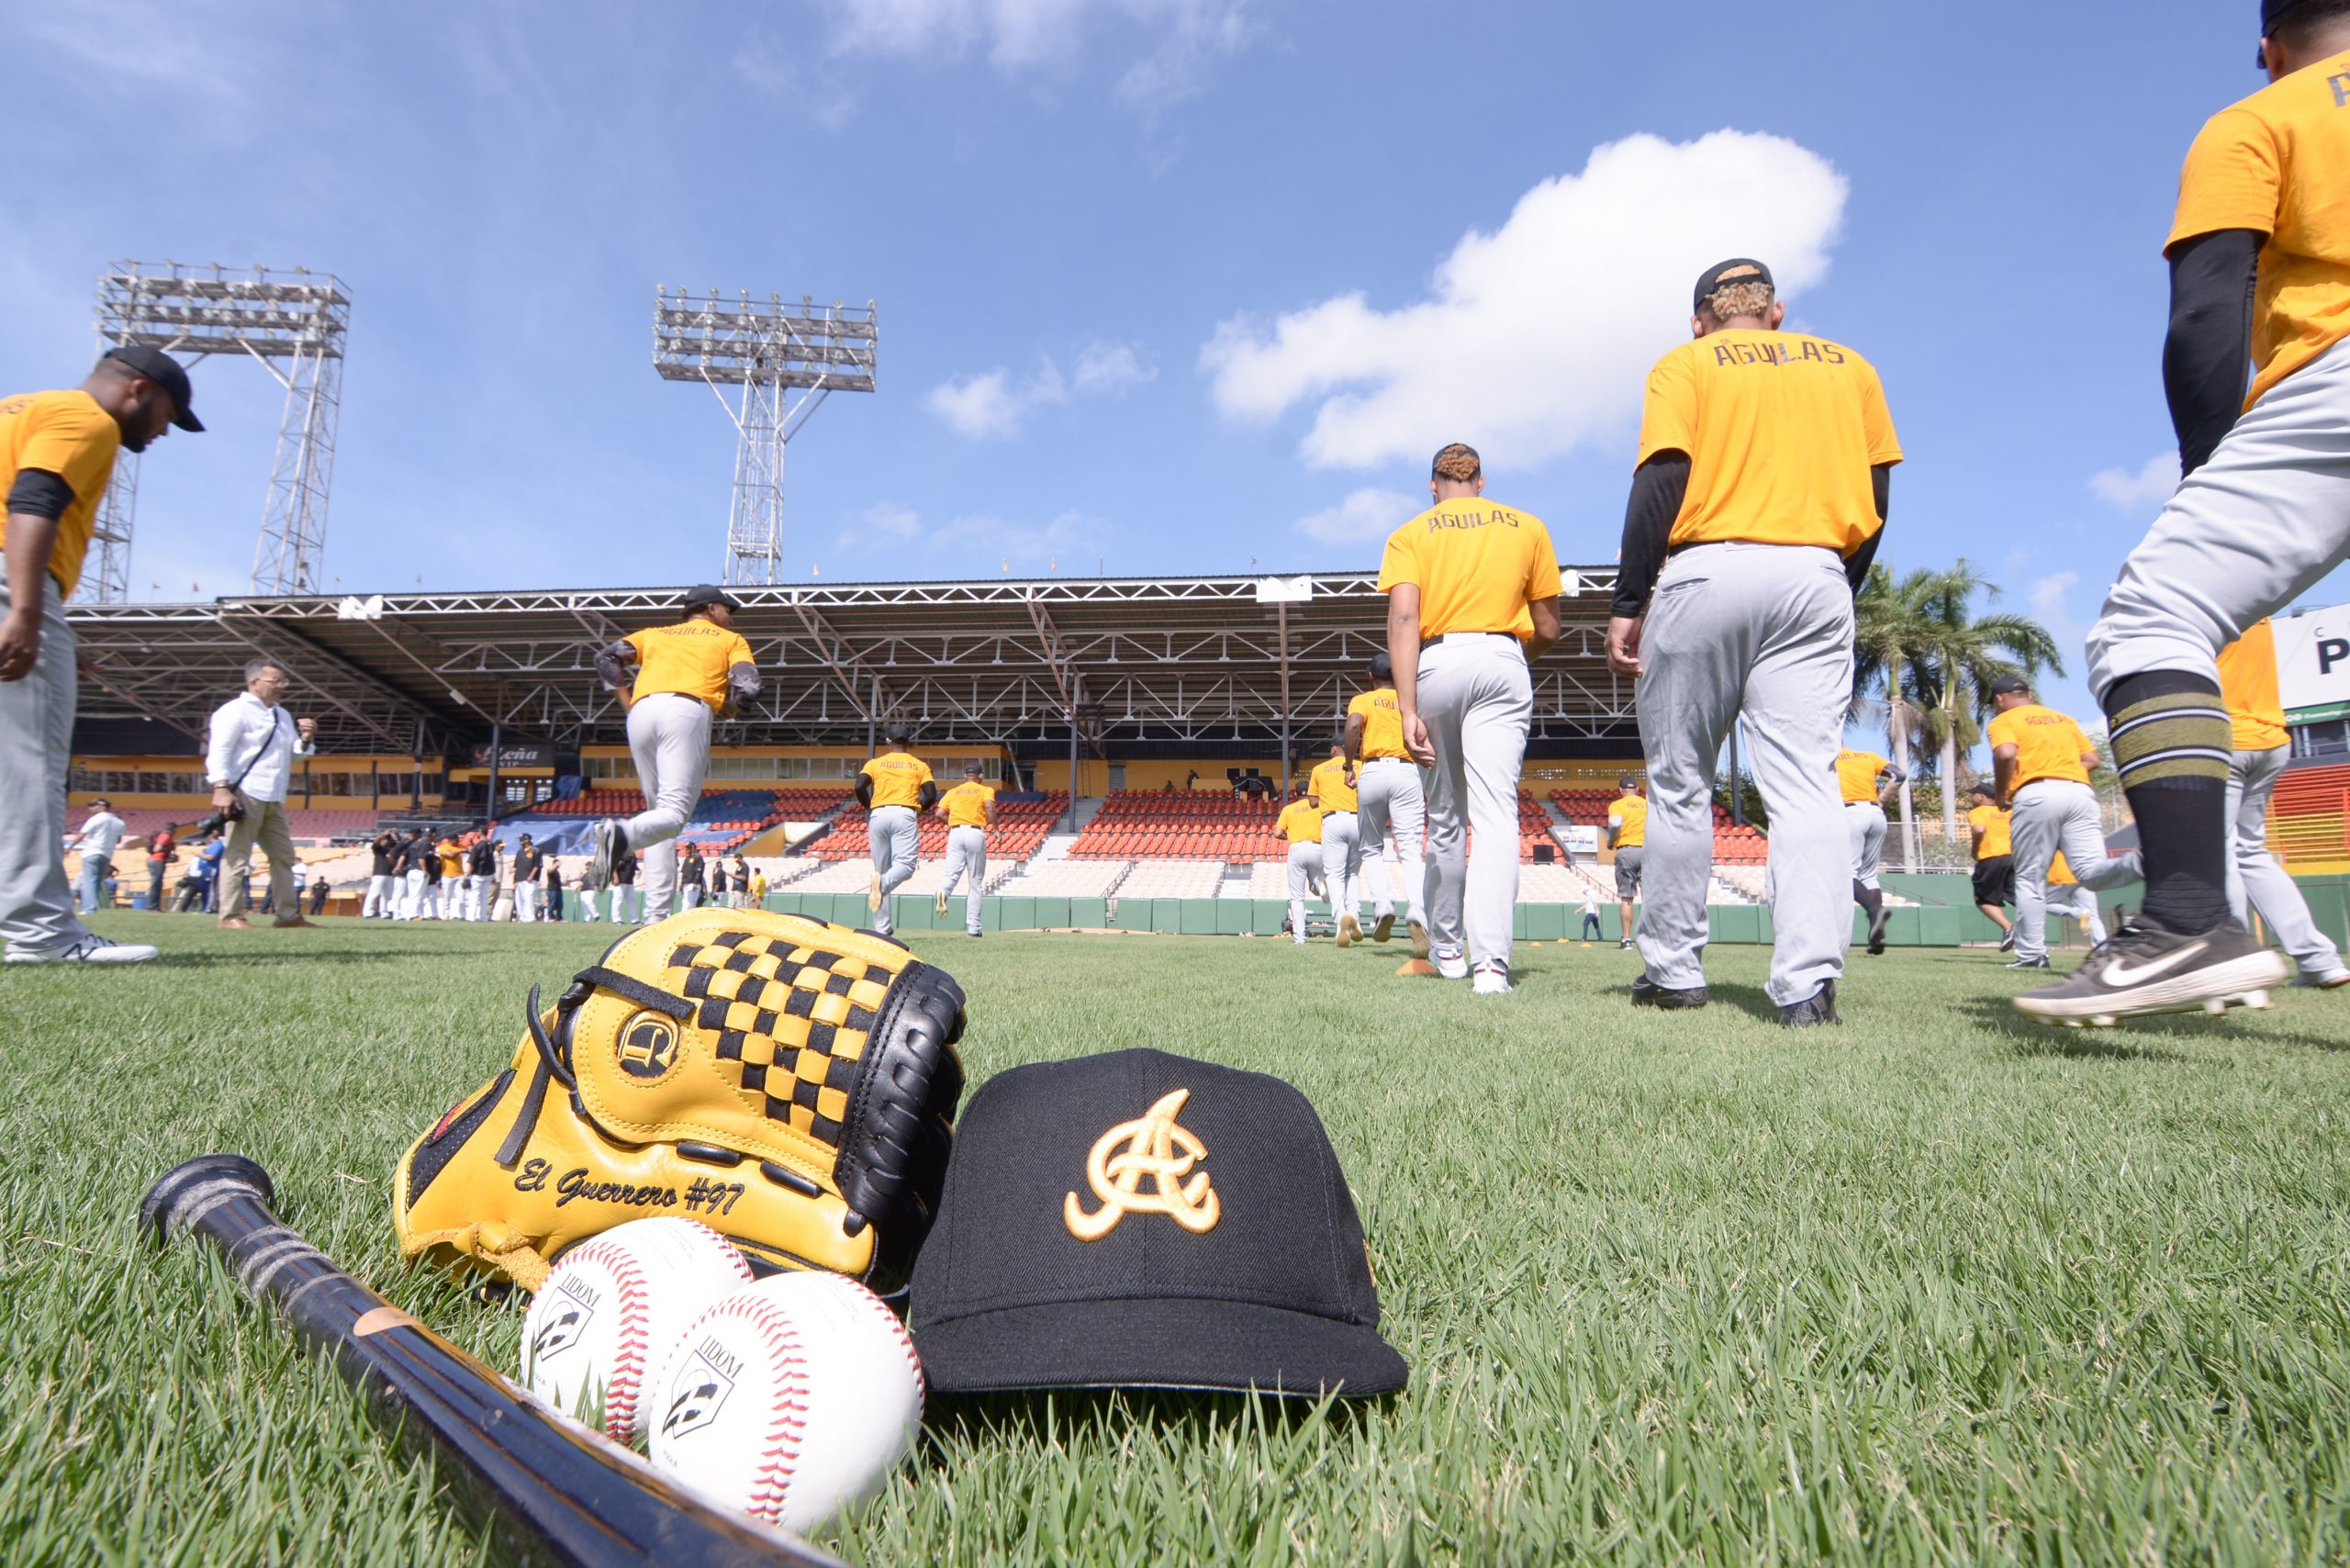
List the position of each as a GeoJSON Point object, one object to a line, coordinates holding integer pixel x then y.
{"type": "Point", "coordinates": [250, 763]}
{"type": "Point", "coordinates": [101, 835]}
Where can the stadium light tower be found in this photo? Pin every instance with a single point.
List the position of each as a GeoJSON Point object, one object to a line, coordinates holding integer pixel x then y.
{"type": "Point", "coordinates": [295, 320]}
{"type": "Point", "coordinates": [769, 350]}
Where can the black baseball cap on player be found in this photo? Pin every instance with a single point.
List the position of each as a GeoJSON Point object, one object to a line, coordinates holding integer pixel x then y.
{"type": "Point", "coordinates": [2008, 683]}
{"type": "Point", "coordinates": [2274, 11]}
{"type": "Point", "coordinates": [165, 372]}
{"type": "Point", "coordinates": [1142, 1220]}
{"type": "Point", "coordinates": [1738, 269]}
{"type": "Point", "coordinates": [704, 594]}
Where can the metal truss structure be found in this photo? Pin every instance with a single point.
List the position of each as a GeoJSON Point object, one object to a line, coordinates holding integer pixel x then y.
{"type": "Point", "coordinates": [769, 350]}
{"type": "Point", "coordinates": [1129, 662]}
{"type": "Point", "coordinates": [294, 324]}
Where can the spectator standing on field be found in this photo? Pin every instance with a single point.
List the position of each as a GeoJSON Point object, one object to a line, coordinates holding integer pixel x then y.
{"type": "Point", "coordinates": [383, 900]}
{"type": "Point", "coordinates": [528, 865]}
{"type": "Point", "coordinates": [481, 881]}
{"type": "Point", "coordinates": [57, 456]}
{"type": "Point", "coordinates": [741, 881]}
{"type": "Point", "coordinates": [690, 877]}
{"type": "Point", "coordinates": [101, 835]}
{"type": "Point", "coordinates": [250, 762]}
{"type": "Point", "coordinates": [319, 889]}
{"type": "Point", "coordinates": [627, 904]}
{"type": "Point", "coordinates": [407, 865]}
{"type": "Point", "coordinates": [159, 863]}
{"type": "Point", "coordinates": [207, 872]}
{"type": "Point", "coordinates": [718, 891]}
{"type": "Point", "coordinates": [758, 890]}
{"type": "Point", "coordinates": [554, 890]}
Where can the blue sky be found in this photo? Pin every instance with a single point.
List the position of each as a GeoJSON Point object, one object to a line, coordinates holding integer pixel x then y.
{"type": "Point", "coordinates": [1165, 286]}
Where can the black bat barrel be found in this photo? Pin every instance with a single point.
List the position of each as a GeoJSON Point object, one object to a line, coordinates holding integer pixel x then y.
{"type": "Point", "coordinates": [553, 1491]}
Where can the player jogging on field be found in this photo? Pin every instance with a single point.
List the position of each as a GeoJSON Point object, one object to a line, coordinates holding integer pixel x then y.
{"type": "Point", "coordinates": [1387, 803]}
{"type": "Point", "coordinates": [1332, 787]}
{"type": "Point", "coordinates": [2041, 761]}
{"type": "Point", "coordinates": [2259, 251]}
{"type": "Point", "coordinates": [969, 811]}
{"type": "Point", "coordinates": [686, 675]}
{"type": "Point", "coordinates": [1473, 598]}
{"type": "Point", "coordinates": [1627, 834]}
{"type": "Point", "coordinates": [2067, 893]}
{"type": "Point", "coordinates": [1989, 826]}
{"type": "Point", "coordinates": [1865, 779]}
{"type": "Point", "coordinates": [1300, 823]}
{"type": "Point", "coordinates": [894, 788]}
{"type": "Point", "coordinates": [1765, 468]}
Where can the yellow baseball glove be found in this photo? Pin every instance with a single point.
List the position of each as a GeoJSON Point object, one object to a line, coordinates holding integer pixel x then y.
{"type": "Point", "coordinates": [790, 1083]}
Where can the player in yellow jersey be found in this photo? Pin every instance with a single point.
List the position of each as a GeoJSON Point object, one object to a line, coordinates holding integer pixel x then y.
{"type": "Point", "coordinates": [1864, 780]}
{"type": "Point", "coordinates": [57, 453]}
{"type": "Point", "coordinates": [686, 675]}
{"type": "Point", "coordinates": [1989, 827]}
{"type": "Point", "coordinates": [2259, 253]}
{"type": "Point", "coordinates": [895, 787]}
{"type": "Point", "coordinates": [2065, 894]}
{"type": "Point", "coordinates": [969, 811]}
{"type": "Point", "coordinates": [1764, 476]}
{"type": "Point", "coordinates": [1332, 788]}
{"type": "Point", "coordinates": [2041, 764]}
{"type": "Point", "coordinates": [1387, 786]}
{"type": "Point", "coordinates": [1627, 834]}
{"type": "Point", "coordinates": [1300, 823]}
{"type": "Point", "coordinates": [1472, 599]}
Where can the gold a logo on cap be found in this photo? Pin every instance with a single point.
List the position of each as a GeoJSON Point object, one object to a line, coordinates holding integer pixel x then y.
{"type": "Point", "coordinates": [1151, 1148]}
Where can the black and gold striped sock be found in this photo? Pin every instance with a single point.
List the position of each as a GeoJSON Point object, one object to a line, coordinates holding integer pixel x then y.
{"type": "Point", "coordinates": [2172, 745]}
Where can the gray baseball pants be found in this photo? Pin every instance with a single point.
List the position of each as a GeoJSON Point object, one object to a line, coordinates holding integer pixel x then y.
{"type": "Point", "coordinates": [1864, 827]}
{"type": "Point", "coordinates": [2078, 898]}
{"type": "Point", "coordinates": [1387, 790]}
{"type": "Point", "coordinates": [2242, 536]}
{"type": "Point", "coordinates": [35, 749]}
{"type": "Point", "coordinates": [1306, 867]}
{"type": "Point", "coordinates": [1476, 698]}
{"type": "Point", "coordinates": [1764, 630]}
{"type": "Point", "coordinates": [2045, 816]}
{"type": "Point", "coordinates": [1342, 862]}
{"type": "Point", "coordinates": [668, 737]}
{"type": "Point", "coordinates": [966, 850]}
{"type": "Point", "coordinates": [894, 835]}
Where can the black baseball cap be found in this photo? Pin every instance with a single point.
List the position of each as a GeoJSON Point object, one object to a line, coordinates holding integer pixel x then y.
{"type": "Point", "coordinates": [1142, 1220]}
{"type": "Point", "coordinates": [2008, 683]}
{"type": "Point", "coordinates": [706, 594]}
{"type": "Point", "coordinates": [2273, 11]}
{"type": "Point", "coordinates": [1738, 269]}
{"type": "Point", "coordinates": [1988, 791]}
{"type": "Point", "coordinates": [165, 372]}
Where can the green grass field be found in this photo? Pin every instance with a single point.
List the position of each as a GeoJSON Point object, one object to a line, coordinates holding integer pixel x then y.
{"type": "Point", "coordinates": [1933, 1287]}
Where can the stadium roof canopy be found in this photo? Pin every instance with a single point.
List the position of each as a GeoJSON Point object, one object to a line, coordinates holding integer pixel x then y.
{"type": "Point", "coordinates": [1138, 661]}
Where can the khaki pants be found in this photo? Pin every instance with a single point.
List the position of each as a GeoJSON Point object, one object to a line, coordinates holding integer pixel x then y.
{"type": "Point", "coordinates": [263, 824]}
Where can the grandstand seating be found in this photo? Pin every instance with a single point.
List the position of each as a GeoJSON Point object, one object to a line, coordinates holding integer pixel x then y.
{"type": "Point", "coordinates": [1021, 826]}
{"type": "Point", "coordinates": [723, 819]}
{"type": "Point", "coordinates": [1180, 824]}
{"type": "Point", "coordinates": [1173, 879]}
{"type": "Point", "coordinates": [2309, 816]}
{"type": "Point", "coordinates": [1065, 879]}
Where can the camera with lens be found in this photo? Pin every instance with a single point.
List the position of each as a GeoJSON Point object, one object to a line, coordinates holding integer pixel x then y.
{"type": "Point", "coordinates": [218, 820]}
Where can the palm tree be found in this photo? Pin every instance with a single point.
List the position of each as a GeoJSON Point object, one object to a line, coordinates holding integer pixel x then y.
{"type": "Point", "coordinates": [1889, 628]}
{"type": "Point", "coordinates": [1957, 656]}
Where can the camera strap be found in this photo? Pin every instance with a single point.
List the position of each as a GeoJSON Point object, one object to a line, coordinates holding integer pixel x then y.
{"type": "Point", "coordinates": [238, 783]}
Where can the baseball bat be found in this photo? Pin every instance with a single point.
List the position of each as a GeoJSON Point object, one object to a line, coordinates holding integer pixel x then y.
{"type": "Point", "coordinates": [552, 1491]}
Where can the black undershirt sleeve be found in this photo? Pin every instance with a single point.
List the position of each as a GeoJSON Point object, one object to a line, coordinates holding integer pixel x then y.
{"type": "Point", "coordinates": [1856, 565]}
{"type": "Point", "coordinates": [2207, 354]}
{"type": "Point", "coordinates": [1659, 487]}
{"type": "Point", "coordinates": [39, 493]}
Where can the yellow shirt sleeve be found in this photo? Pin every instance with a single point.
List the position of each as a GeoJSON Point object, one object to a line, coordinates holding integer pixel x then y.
{"type": "Point", "coordinates": [1400, 563]}
{"type": "Point", "coordinates": [75, 439]}
{"type": "Point", "coordinates": [1542, 579]}
{"type": "Point", "coordinates": [740, 652]}
{"type": "Point", "coordinates": [2232, 180]}
{"type": "Point", "coordinates": [2001, 730]}
{"type": "Point", "coordinates": [1668, 411]}
{"type": "Point", "coordinates": [1877, 423]}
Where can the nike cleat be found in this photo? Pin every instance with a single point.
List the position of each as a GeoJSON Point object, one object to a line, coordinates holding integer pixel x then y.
{"type": "Point", "coordinates": [1646, 993]}
{"type": "Point", "coordinates": [1817, 1008]}
{"type": "Point", "coordinates": [2147, 967]}
{"type": "Point", "coordinates": [2008, 943]}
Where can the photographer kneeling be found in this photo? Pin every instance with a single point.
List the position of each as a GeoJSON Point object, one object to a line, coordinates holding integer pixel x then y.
{"type": "Point", "coordinates": [250, 763]}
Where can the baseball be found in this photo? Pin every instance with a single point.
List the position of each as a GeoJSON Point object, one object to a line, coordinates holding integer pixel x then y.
{"type": "Point", "coordinates": [790, 1399]}
{"type": "Point", "coordinates": [610, 1309]}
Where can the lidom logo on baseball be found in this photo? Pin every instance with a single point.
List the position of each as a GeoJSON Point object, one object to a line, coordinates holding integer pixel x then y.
{"type": "Point", "coordinates": [699, 1389]}
{"type": "Point", "coordinates": [563, 1330]}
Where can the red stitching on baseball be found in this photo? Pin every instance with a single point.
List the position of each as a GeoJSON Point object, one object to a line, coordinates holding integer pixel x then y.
{"type": "Point", "coordinates": [780, 1459]}
{"type": "Point", "coordinates": [627, 1355]}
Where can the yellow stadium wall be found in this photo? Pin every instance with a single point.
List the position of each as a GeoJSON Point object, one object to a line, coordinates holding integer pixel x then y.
{"type": "Point", "coordinates": [198, 799]}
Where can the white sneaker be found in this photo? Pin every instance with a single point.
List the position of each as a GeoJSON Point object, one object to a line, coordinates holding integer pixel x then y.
{"type": "Point", "coordinates": [1452, 965]}
{"type": "Point", "coordinates": [91, 949]}
{"type": "Point", "coordinates": [1492, 980]}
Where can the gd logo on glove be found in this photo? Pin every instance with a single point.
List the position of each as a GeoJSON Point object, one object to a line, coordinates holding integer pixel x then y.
{"type": "Point", "coordinates": [648, 1046]}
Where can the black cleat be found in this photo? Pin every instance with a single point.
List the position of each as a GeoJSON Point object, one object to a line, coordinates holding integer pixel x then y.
{"type": "Point", "coordinates": [609, 841]}
{"type": "Point", "coordinates": [1625, 944]}
{"type": "Point", "coordinates": [1817, 1008]}
{"type": "Point", "coordinates": [2008, 943]}
{"type": "Point", "coordinates": [1877, 924]}
{"type": "Point", "coordinates": [2029, 964]}
{"type": "Point", "coordinates": [1646, 993]}
{"type": "Point", "coordinates": [2148, 968]}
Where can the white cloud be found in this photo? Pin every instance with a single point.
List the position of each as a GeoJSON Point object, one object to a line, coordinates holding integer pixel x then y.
{"type": "Point", "coordinates": [978, 544]}
{"type": "Point", "coordinates": [1535, 337]}
{"type": "Point", "coordinates": [1365, 515]}
{"type": "Point", "coordinates": [2048, 609]}
{"type": "Point", "coordinates": [992, 404]}
{"type": "Point", "coordinates": [1171, 45]}
{"type": "Point", "coordinates": [2150, 487]}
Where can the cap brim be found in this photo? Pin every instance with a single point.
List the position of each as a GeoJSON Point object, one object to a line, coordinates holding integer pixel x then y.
{"type": "Point", "coordinates": [1180, 1344]}
{"type": "Point", "coordinates": [187, 421]}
